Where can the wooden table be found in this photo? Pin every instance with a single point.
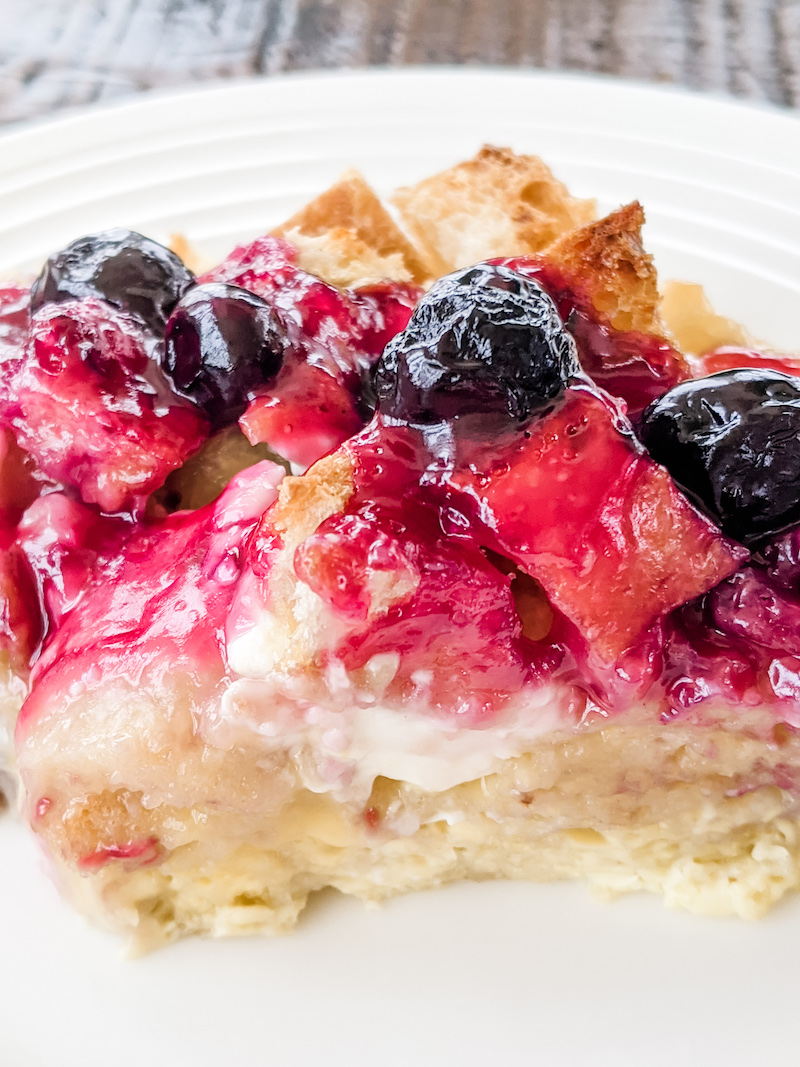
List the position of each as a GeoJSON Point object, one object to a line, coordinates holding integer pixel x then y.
{"type": "Point", "coordinates": [61, 53]}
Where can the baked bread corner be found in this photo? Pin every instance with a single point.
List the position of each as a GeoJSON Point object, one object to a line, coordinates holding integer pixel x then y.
{"type": "Point", "coordinates": [609, 259]}
{"type": "Point", "coordinates": [497, 204]}
{"type": "Point", "coordinates": [347, 237]}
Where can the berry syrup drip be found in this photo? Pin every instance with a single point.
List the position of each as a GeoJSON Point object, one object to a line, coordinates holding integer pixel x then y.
{"type": "Point", "coordinates": [334, 337]}
{"type": "Point", "coordinates": [405, 571]}
{"type": "Point", "coordinates": [636, 367]}
{"type": "Point", "coordinates": [14, 319]}
{"type": "Point", "coordinates": [144, 604]}
{"type": "Point", "coordinates": [733, 443]}
{"type": "Point", "coordinates": [95, 411]}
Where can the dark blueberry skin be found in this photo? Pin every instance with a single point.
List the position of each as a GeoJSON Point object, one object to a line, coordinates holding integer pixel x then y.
{"type": "Point", "coordinates": [222, 344]}
{"type": "Point", "coordinates": [732, 442]}
{"type": "Point", "coordinates": [484, 340]}
{"type": "Point", "coordinates": [127, 270]}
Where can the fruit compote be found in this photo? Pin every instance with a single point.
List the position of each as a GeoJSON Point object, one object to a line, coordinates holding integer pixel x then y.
{"type": "Point", "coordinates": [321, 395]}
{"type": "Point", "coordinates": [505, 527]}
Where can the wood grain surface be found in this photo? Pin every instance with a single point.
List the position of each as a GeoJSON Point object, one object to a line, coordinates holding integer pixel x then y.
{"type": "Point", "coordinates": [61, 53]}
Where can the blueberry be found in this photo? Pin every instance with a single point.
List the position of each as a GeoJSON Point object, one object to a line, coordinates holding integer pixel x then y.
{"type": "Point", "coordinates": [482, 340]}
{"type": "Point", "coordinates": [732, 442]}
{"type": "Point", "coordinates": [223, 342]}
{"type": "Point", "coordinates": [127, 270]}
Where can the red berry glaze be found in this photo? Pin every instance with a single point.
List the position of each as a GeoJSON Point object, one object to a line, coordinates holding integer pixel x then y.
{"type": "Point", "coordinates": [14, 318]}
{"type": "Point", "coordinates": [614, 543]}
{"type": "Point", "coordinates": [336, 335]}
{"type": "Point", "coordinates": [634, 366]}
{"type": "Point", "coordinates": [730, 358]}
{"type": "Point", "coordinates": [20, 619]}
{"type": "Point", "coordinates": [19, 486]}
{"type": "Point", "coordinates": [157, 600]}
{"type": "Point", "coordinates": [95, 411]}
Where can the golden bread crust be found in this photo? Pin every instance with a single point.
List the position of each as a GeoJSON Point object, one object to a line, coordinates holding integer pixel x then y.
{"type": "Point", "coordinates": [497, 204]}
{"type": "Point", "coordinates": [304, 503]}
{"type": "Point", "coordinates": [608, 260]}
{"type": "Point", "coordinates": [347, 237]}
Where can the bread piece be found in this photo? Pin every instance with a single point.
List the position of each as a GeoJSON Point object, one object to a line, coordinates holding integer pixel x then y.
{"type": "Point", "coordinates": [497, 204]}
{"type": "Point", "coordinates": [609, 260]}
{"type": "Point", "coordinates": [196, 261]}
{"type": "Point", "coordinates": [694, 324]}
{"type": "Point", "coordinates": [347, 237]}
{"type": "Point", "coordinates": [684, 812]}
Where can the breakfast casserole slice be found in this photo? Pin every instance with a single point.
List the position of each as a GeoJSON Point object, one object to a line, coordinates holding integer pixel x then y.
{"type": "Point", "coordinates": [527, 613]}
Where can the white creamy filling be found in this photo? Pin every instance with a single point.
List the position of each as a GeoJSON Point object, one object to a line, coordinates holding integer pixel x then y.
{"type": "Point", "coordinates": [343, 745]}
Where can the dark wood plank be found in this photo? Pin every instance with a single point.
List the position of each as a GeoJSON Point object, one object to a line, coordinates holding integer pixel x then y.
{"type": "Point", "coordinates": [62, 53]}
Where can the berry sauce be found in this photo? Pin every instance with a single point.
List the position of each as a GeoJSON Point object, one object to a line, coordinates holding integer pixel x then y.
{"type": "Point", "coordinates": [554, 548]}
{"type": "Point", "coordinates": [467, 627]}
{"type": "Point", "coordinates": [14, 319]}
{"type": "Point", "coordinates": [730, 358]}
{"type": "Point", "coordinates": [335, 337]}
{"type": "Point", "coordinates": [635, 367]}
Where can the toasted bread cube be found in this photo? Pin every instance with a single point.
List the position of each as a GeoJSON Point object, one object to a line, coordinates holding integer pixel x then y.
{"type": "Point", "coordinates": [497, 204]}
{"type": "Point", "coordinates": [614, 269]}
{"type": "Point", "coordinates": [347, 237]}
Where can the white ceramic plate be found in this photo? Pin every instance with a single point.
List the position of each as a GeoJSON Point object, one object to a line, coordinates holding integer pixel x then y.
{"type": "Point", "coordinates": [476, 974]}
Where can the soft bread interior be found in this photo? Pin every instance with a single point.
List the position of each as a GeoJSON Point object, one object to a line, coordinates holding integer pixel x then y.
{"type": "Point", "coordinates": [497, 204]}
{"type": "Point", "coordinates": [347, 237]}
{"type": "Point", "coordinates": [626, 808]}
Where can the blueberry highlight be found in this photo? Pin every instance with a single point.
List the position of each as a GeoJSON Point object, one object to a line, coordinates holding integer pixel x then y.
{"type": "Point", "coordinates": [485, 340]}
{"type": "Point", "coordinates": [127, 270]}
{"type": "Point", "coordinates": [222, 344]}
{"type": "Point", "coordinates": [732, 442]}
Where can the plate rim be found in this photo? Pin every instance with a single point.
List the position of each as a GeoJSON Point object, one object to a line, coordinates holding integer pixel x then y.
{"type": "Point", "coordinates": [153, 97]}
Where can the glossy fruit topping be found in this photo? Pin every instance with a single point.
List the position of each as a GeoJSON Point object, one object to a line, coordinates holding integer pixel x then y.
{"type": "Point", "coordinates": [20, 619]}
{"type": "Point", "coordinates": [18, 482]}
{"type": "Point", "coordinates": [14, 318]}
{"type": "Point", "coordinates": [340, 329]}
{"type": "Point", "coordinates": [747, 605]}
{"type": "Point", "coordinates": [322, 393]}
{"type": "Point", "coordinates": [732, 442]}
{"type": "Point", "coordinates": [470, 570]}
{"type": "Point", "coordinates": [578, 506]}
{"type": "Point", "coordinates": [636, 367]}
{"type": "Point", "coordinates": [781, 559]}
{"type": "Point", "coordinates": [435, 607]}
{"type": "Point", "coordinates": [484, 340]}
{"type": "Point", "coordinates": [155, 605]}
{"type": "Point", "coordinates": [131, 272]}
{"type": "Point", "coordinates": [305, 414]}
{"type": "Point", "coordinates": [62, 540]}
{"type": "Point", "coordinates": [95, 411]}
{"type": "Point", "coordinates": [730, 358]}
{"type": "Point", "coordinates": [222, 344]}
